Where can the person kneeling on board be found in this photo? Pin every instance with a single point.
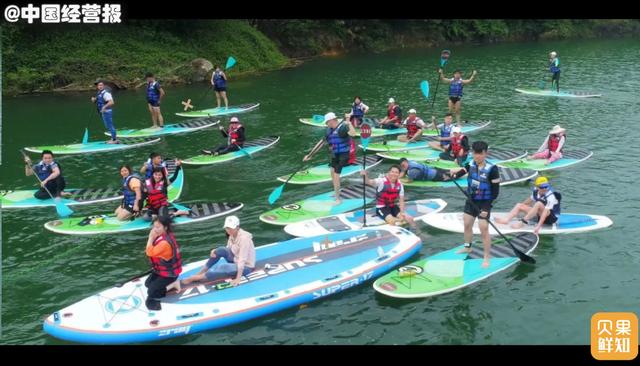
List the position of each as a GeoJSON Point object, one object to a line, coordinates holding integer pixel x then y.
{"type": "Point", "coordinates": [483, 186]}
{"type": "Point", "coordinates": [546, 206]}
{"type": "Point", "coordinates": [235, 136]}
{"type": "Point", "coordinates": [164, 253]}
{"type": "Point", "coordinates": [239, 254]}
{"type": "Point", "coordinates": [458, 148]}
{"type": "Point", "coordinates": [49, 173]}
{"type": "Point", "coordinates": [156, 192]}
{"type": "Point", "coordinates": [411, 170]}
{"type": "Point", "coordinates": [390, 197]}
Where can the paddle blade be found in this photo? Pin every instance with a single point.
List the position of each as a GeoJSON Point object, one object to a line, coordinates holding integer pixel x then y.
{"type": "Point", "coordinates": [424, 86]}
{"type": "Point", "coordinates": [230, 62]}
{"type": "Point", "coordinates": [62, 209]}
{"type": "Point", "coordinates": [365, 133]}
{"type": "Point", "coordinates": [273, 197]}
{"type": "Point", "coordinates": [180, 207]}
{"type": "Point", "coordinates": [245, 152]}
{"type": "Point", "coordinates": [85, 138]}
{"type": "Point", "coordinates": [318, 118]}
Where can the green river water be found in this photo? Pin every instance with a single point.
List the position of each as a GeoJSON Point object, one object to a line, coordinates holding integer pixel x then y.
{"type": "Point", "coordinates": [549, 303]}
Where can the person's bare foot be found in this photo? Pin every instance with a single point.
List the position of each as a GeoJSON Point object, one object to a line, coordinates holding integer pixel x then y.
{"type": "Point", "coordinates": [187, 281]}
{"type": "Point", "coordinates": [65, 194]}
{"type": "Point", "coordinates": [338, 202]}
{"type": "Point", "coordinates": [485, 263]}
{"type": "Point", "coordinates": [174, 285]}
{"type": "Point", "coordinates": [517, 225]}
{"type": "Point", "coordinates": [501, 220]}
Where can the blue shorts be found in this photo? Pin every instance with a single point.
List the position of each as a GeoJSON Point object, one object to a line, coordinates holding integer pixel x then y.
{"type": "Point", "coordinates": [220, 89]}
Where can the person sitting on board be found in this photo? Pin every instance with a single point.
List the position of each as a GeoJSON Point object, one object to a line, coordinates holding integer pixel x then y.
{"type": "Point", "coordinates": [411, 170]}
{"type": "Point", "coordinates": [455, 90]}
{"type": "Point", "coordinates": [235, 136]}
{"type": "Point", "coordinates": [554, 68]}
{"type": "Point", "coordinates": [445, 133]}
{"type": "Point", "coordinates": [132, 190]}
{"type": "Point", "coordinates": [390, 197]}
{"type": "Point", "coordinates": [546, 206]}
{"type": "Point", "coordinates": [219, 83]}
{"type": "Point", "coordinates": [414, 126]}
{"type": "Point", "coordinates": [104, 103]}
{"type": "Point", "coordinates": [155, 161]}
{"type": "Point", "coordinates": [164, 253]}
{"type": "Point", "coordinates": [339, 138]}
{"type": "Point", "coordinates": [551, 148]}
{"type": "Point", "coordinates": [155, 191]}
{"type": "Point", "coordinates": [483, 187]}
{"type": "Point", "coordinates": [239, 255]}
{"type": "Point", "coordinates": [358, 109]}
{"type": "Point", "coordinates": [458, 149]}
{"type": "Point", "coordinates": [155, 93]}
{"type": "Point", "coordinates": [393, 119]}
{"type": "Point", "coordinates": [50, 174]}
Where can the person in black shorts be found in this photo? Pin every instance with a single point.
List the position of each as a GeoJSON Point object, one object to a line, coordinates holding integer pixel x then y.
{"type": "Point", "coordinates": [483, 186]}
{"type": "Point", "coordinates": [456, 84]}
{"type": "Point", "coordinates": [411, 170]}
{"type": "Point", "coordinates": [390, 204]}
{"type": "Point", "coordinates": [338, 136]}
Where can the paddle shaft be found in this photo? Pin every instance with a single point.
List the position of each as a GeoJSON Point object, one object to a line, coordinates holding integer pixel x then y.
{"type": "Point", "coordinates": [364, 190]}
{"type": "Point", "coordinates": [133, 278]}
{"type": "Point", "coordinates": [523, 257]}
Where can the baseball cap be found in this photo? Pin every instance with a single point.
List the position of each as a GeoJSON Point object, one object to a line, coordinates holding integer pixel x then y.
{"type": "Point", "coordinates": [455, 129]}
{"type": "Point", "coordinates": [412, 111]}
{"type": "Point", "coordinates": [234, 119]}
{"type": "Point", "coordinates": [231, 222]}
{"type": "Point", "coordinates": [391, 100]}
{"type": "Point", "coordinates": [329, 116]}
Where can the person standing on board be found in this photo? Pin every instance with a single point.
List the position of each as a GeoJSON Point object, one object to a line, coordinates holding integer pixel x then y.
{"type": "Point", "coordinates": [104, 103]}
{"type": "Point", "coordinates": [219, 83]}
{"type": "Point", "coordinates": [554, 68]}
{"type": "Point", "coordinates": [455, 91]}
{"type": "Point", "coordinates": [155, 93]}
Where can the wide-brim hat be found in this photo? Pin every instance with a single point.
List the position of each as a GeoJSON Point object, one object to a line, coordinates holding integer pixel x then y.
{"type": "Point", "coordinates": [556, 130]}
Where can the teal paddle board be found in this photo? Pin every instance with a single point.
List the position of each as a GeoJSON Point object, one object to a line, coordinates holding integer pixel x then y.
{"type": "Point", "coordinates": [319, 206]}
{"type": "Point", "coordinates": [554, 93]}
{"type": "Point", "coordinates": [250, 147]}
{"type": "Point", "coordinates": [449, 270]}
{"type": "Point", "coordinates": [93, 147]}
{"type": "Point", "coordinates": [172, 129]}
{"type": "Point", "coordinates": [25, 198]}
{"type": "Point", "coordinates": [569, 158]}
{"type": "Point", "coordinates": [322, 173]}
{"type": "Point", "coordinates": [374, 122]}
{"type": "Point", "coordinates": [109, 224]}
{"type": "Point", "coordinates": [222, 111]}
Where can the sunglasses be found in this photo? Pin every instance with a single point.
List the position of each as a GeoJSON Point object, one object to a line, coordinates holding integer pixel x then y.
{"type": "Point", "coordinates": [544, 186]}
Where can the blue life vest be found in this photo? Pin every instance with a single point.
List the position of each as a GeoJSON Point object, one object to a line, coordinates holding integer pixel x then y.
{"type": "Point", "coordinates": [43, 171]}
{"type": "Point", "coordinates": [129, 195]}
{"type": "Point", "coordinates": [338, 144]}
{"type": "Point", "coordinates": [100, 101]}
{"type": "Point", "coordinates": [455, 89]}
{"type": "Point", "coordinates": [478, 183]}
{"type": "Point", "coordinates": [357, 110]}
{"type": "Point", "coordinates": [417, 171]}
{"type": "Point", "coordinates": [149, 172]}
{"type": "Point", "coordinates": [218, 80]}
{"type": "Point", "coordinates": [445, 131]}
{"type": "Point", "coordinates": [554, 66]}
{"type": "Point", "coordinates": [153, 92]}
{"type": "Point", "coordinates": [556, 208]}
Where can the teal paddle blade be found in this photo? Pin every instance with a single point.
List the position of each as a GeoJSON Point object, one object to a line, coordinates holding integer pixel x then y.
{"type": "Point", "coordinates": [62, 209]}
{"type": "Point", "coordinates": [85, 138]}
{"type": "Point", "coordinates": [230, 62]}
{"type": "Point", "coordinates": [180, 207]}
{"type": "Point", "coordinates": [424, 86]}
{"type": "Point", "coordinates": [273, 197]}
{"type": "Point", "coordinates": [245, 152]}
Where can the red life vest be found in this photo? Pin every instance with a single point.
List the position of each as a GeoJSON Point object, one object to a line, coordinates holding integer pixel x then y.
{"type": "Point", "coordinates": [391, 113]}
{"type": "Point", "coordinates": [412, 127]}
{"type": "Point", "coordinates": [233, 133]}
{"type": "Point", "coordinates": [156, 194]}
{"type": "Point", "coordinates": [456, 144]}
{"type": "Point", "coordinates": [389, 194]}
{"type": "Point", "coordinates": [352, 153]}
{"type": "Point", "coordinates": [554, 141]}
{"type": "Point", "coordinates": [172, 267]}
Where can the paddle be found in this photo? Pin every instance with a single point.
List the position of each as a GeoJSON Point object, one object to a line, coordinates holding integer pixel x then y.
{"type": "Point", "coordinates": [61, 208]}
{"type": "Point", "coordinates": [542, 83]}
{"type": "Point", "coordinates": [85, 138]}
{"type": "Point", "coordinates": [180, 207]}
{"type": "Point", "coordinates": [523, 257]}
{"type": "Point", "coordinates": [120, 284]}
{"type": "Point", "coordinates": [273, 197]}
{"type": "Point", "coordinates": [365, 134]}
{"type": "Point", "coordinates": [444, 58]}
{"type": "Point", "coordinates": [230, 63]}
{"type": "Point", "coordinates": [244, 151]}
{"type": "Point", "coordinates": [424, 86]}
